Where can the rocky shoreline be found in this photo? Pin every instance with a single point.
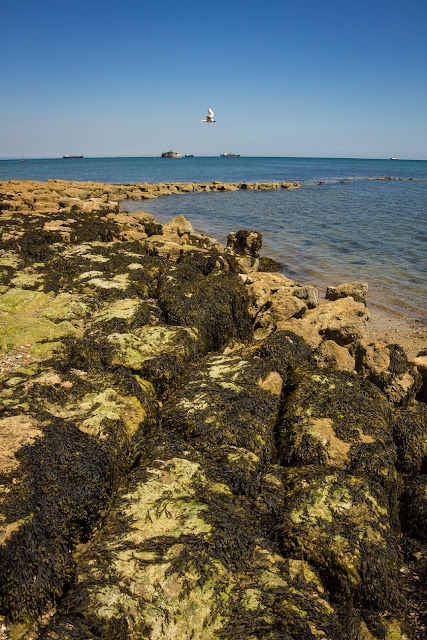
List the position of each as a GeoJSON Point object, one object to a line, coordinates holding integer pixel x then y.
{"type": "Point", "coordinates": [192, 444]}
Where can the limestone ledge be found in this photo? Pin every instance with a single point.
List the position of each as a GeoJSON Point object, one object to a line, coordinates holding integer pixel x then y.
{"type": "Point", "coordinates": [65, 196]}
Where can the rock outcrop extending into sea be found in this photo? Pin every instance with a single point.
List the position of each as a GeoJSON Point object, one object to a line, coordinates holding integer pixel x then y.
{"type": "Point", "coordinates": [192, 445]}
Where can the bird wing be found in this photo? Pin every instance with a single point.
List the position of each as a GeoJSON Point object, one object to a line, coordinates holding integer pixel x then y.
{"type": "Point", "coordinates": [210, 113]}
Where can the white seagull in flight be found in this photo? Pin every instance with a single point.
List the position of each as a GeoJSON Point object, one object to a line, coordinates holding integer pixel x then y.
{"type": "Point", "coordinates": [209, 117]}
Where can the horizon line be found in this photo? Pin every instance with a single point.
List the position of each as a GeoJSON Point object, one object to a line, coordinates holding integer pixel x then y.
{"type": "Point", "coordinates": [115, 156]}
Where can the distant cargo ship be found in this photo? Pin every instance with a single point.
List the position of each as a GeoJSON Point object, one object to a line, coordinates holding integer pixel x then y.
{"type": "Point", "coordinates": [230, 155]}
{"type": "Point", "coordinates": [67, 157]}
{"type": "Point", "coordinates": [171, 154]}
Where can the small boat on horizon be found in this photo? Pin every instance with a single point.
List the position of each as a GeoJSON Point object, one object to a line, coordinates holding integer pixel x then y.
{"type": "Point", "coordinates": [67, 157]}
{"type": "Point", "coordinates": [189, 155]}
{"type": "Point", "coordinates": [230, 155]}
{"type": "Point", "coordinates": [395, 158]}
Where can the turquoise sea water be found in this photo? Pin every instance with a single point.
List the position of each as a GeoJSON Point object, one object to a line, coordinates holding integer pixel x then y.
{"type": "Point", "coordinates": [369, 230]}
{"type": "Point", "coordinates": [128, 170]}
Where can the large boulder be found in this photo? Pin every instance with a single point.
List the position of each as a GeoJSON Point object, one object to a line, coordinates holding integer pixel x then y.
{"type": "Point", "coordinates": [275, 298]}
{"type": "Point", "coordinates": [420, 362]}
{"type": "Point", "coordinates": [330, 354]}
{"type": "Point", "coordinates": [356, 290]}
{"type": "Point", "coordinates": [387, 366]}
{"type": "Point", "coordinates": [339, 522]}
{"type": "Point", "coordinates": [179, 225]}
{"type": "Point", "coordinates": [245, 245]}
{"type": "Point", "coordinates": [344, 321]}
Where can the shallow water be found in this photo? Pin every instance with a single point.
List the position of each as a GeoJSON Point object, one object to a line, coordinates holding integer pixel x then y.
{"type": "Point", "coordinates": [369, 230]}
{"type": "Point", "coordinates": [372, 231]}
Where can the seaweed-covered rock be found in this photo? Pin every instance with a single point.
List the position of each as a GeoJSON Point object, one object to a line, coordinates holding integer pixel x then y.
{"type": "Point", "coordinates": [414, 507]}
{"type": "Point", "coordinates": [61, 459]}
{"type": "Point", "coordinates": [158, 353]}
{"type": "Point", "coordinates": [332, 419]}
{"type": "Point", "coordinates": [183, 560]}
{"type": "Point", "coordinates": [410, 433]}
{"type": "Point", "coordinates": [387, 366]}
{"type": "Point", "coordinates": [214, 305]}
{"type": "Point", "coordinates": [337, 522]}
{"type": "Point", "coordinates": [245, 243]}
{"type": "Point", "coordinates": [229, 400]}
{"type": "Point", "coordinates": [245, 246]}
{"type": "Point", "coordinates": [229, 405]}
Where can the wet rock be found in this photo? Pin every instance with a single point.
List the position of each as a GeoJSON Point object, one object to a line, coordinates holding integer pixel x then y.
{"type": "Point", "coordinates": [410, 433]}
{"type": "Point", "coordinates": [387, 366]}
{"type": "Point", "coordinates": [356, 290]}
{"type": "Point", "coordinates": [344, 321]}
{"type": "Point", "coordinates": [421, 363]}
{"type": "Point", "coordinates": [179, 225]}
{"type": "Point", "coordinates": [339, 523]}
{"type": "Point", "coordinates": [329, 354]}
{"type": "Point", "coordinates": [308, 293]}
{"type": "Point", "coordinates": [245, 243]}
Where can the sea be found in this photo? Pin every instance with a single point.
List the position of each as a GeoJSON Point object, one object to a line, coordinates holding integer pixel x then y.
{"type": "Point", "coordinates": [348, 228]}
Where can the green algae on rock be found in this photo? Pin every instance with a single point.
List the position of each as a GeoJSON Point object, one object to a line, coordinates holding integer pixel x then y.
{"type": "Point", "coordinates": [338, 523]}
{"type": "Point", "coordinates": [174, 567]}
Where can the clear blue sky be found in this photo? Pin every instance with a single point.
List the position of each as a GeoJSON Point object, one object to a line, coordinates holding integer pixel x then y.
{"type": "Point", "coordinates": [332, 78]}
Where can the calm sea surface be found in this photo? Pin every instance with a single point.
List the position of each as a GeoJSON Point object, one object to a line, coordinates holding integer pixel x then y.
{"type": "Point", "coordinates": [369, 230]}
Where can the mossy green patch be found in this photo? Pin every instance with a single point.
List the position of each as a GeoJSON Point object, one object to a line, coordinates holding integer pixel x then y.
{"type": "Point", "coordinates": [28, 280]}
{"type": "Point", "coordinates": [125, 309]}
{"type": "Point", "coordinates": [9, 259]}
{"type": "Point", "coordinates": [97, 409]}
{"type": "Point", "coordinates": [18, 301]}
{"type": "Point", "coordinates": [45, 350]}
{"type": "Point", "coordinates": [101, 283]}
{"type": "Point", "coordinates": [19, 331]}
{"type": "Point", "coordinates": [338, 523]}
{"type": "Point", "coordinates": [65, 306]}
{"type": "Point", "coordinates": [134, 349]}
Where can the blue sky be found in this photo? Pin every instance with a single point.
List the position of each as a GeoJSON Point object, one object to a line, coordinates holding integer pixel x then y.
{"type": "Point", "coordinates": [332, 79]}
